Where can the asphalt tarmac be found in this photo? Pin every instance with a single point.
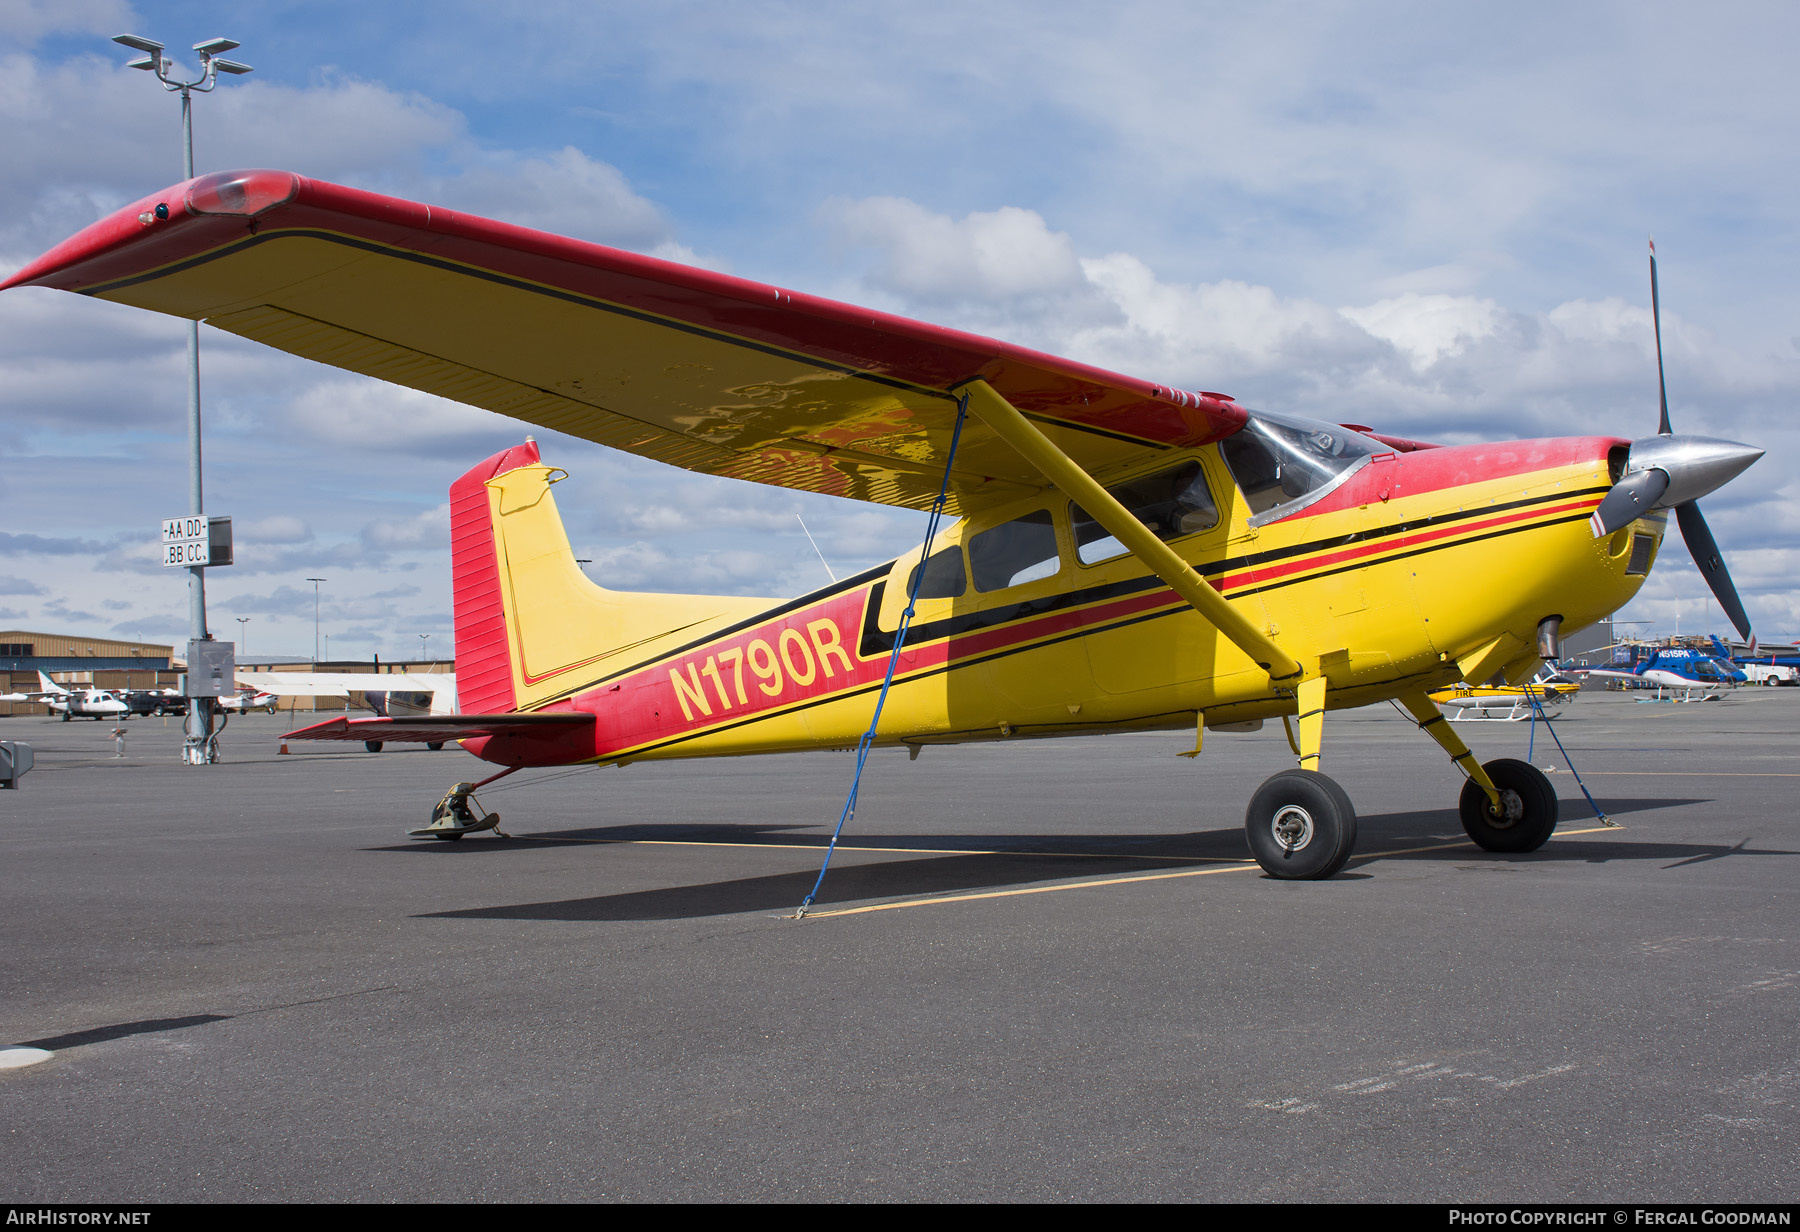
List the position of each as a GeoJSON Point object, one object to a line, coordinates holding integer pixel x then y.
{"type": "Point", "coordinates": [1050, 974]}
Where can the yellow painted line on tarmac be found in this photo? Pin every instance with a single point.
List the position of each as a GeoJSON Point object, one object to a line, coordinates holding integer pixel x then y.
{"type": "Point", "coordinates": [1239, 867]}
{"type": "Point", "coordinates": [1078, 885]}
{"type": "Point", "coordinates": [1693, 774]}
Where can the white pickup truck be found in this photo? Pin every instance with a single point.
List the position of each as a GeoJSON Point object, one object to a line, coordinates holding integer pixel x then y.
{"type": "Point", "coordinates": [1769, 674]}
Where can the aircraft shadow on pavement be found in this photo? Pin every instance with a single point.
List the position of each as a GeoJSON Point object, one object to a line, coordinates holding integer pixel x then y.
{"type": "Point", "coordinates": [852, 881]}
{"type": "Point", "coordinates": [120, 1030]}
{"type": "Point", "coordinates": [848, 882]}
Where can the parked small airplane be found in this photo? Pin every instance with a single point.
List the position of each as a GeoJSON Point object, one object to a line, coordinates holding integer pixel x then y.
{"type": "Point", "coordinates": [1543, 696]}
{"type": "Point", "coordinates": [246, 700]}
{"type": "Point", "coordinates": [80, 703]}
{"type": "Point", "coordinates": [1130, 555]}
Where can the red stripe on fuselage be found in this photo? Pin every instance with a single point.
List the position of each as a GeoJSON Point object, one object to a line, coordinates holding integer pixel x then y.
{"type": "Point", "coordinates": [647, 706]}
{"type": "Point", "coordinates": [1305, 564]}
{"type": "Point", "coordinates": [1392, 476]}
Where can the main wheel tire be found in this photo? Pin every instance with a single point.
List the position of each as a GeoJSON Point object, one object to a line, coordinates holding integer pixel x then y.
{"type": "Point", "coordinates": [1301, 826]}
{"type": "Point", "coordinates": [1531, 807]}
{"type": "Point", "coordinates": [434, 745]}
{"type": "Point", "coordinates": [374, 746]}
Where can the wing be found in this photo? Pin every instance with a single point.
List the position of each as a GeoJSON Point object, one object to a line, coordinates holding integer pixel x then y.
{"type": "Point", "coordinates": [698, 369]}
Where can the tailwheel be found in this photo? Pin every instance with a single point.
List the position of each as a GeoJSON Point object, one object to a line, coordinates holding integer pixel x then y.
{"type": "Point", "coordinates": [1528, 808]}
{"type": "Point", "coordinates": [1301, 826]}
{"type": "Point", "coordinates": [457, 814]}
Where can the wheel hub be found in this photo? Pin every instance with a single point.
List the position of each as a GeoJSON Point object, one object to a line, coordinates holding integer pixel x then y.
{"type": "Point", "coordinates": [1510, 812]}
{"type": "Point", "coordinates": [1292, 828]}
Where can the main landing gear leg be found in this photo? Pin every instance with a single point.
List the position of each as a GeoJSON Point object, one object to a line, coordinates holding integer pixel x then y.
{"type": "Point", "coordinates": [1301, 824]}
{"type": "Point", "coordinates": [1506, 805]}
{"type": "Point", "coordinates": [460, 813]}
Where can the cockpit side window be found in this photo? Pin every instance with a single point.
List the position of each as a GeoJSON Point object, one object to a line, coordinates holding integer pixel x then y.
{"type": "Point", "coordinates": [1286, 461]}
{"type": "Point", "coordinates": [1171, 503]}
{"type": "Point", "coordinates": [1013, 553]}
{"type": "Point", "coordinates": [944, 576]}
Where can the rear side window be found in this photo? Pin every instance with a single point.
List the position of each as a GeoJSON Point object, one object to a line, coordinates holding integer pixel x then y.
{"type": "Point", "coordinates": [944, 576]}
{"type": "Point", "coordinates": [1171, 503]}
{"type": "Point", "coordinates": [1013, 553]}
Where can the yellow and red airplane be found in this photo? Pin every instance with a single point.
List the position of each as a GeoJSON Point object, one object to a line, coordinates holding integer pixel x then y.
{"type": "Point", "coordinates": [1129, 556]}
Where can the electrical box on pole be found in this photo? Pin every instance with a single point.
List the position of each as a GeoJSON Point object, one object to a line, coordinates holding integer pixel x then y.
{"type": "Point", "coordinates": [212, 669]}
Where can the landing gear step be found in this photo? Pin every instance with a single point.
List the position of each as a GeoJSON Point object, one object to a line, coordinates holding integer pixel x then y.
{"type": "Point", "coordinates": [457, 814]}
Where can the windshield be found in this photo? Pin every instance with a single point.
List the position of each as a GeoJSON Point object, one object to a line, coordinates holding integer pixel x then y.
{"type": "Point", "coordinates": [1285, 462]}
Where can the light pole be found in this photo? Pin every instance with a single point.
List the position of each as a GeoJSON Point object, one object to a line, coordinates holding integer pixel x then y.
{"type": "Point", "coordinates": [242, 621]}
{"type": "Point", "coordinates": [198, 749]}
{"type": "Point", "coordinates": [315, 582]}
{"type": "Point", "coordinates": [423, 638]}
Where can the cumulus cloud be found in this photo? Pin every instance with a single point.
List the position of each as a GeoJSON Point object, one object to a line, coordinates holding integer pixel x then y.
{"type": "Point", "coordinates": [986, 255]}
{"type": "Point", "coordinates": [363, 413]}
{"type": "Point", "coordinates": [566, 192]}
{"type": "Point", "coordinates": [26, 21]}
{"type": "Point", "coordinates": [644, 566]}
{"type": "Point", "coordinates": [19, 586]}
{"type": "Point", "coordinates": [428, 530]}
{"type": "Point", "coordinates": [277, 528]}
{"type": "Point", "coordinates": [87, 135]}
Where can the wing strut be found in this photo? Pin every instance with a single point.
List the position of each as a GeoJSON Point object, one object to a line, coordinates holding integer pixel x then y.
{"type": "Point", "coordinates": [1078, 485]}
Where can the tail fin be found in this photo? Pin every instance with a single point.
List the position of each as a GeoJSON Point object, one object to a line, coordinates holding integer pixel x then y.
{"type": "Point", "coordinates": [48, 685]}
{"type": "Point", "coordinates": [530, 626]}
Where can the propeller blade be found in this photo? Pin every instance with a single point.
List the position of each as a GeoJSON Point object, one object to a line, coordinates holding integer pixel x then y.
{"type": "Point", "coordinates": [1662, 388]}
{"type": "Point", "coordinates": [1705, 551]}
{"type": "Point", "coordinates": [1630, 499]}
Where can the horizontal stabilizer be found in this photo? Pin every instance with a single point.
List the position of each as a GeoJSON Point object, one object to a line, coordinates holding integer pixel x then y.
{"type": "Point", "coordinates": [442, 728]}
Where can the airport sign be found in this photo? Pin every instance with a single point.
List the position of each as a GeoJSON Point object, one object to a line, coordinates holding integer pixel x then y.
{"type": "Point", "coordinates": [197, 540]}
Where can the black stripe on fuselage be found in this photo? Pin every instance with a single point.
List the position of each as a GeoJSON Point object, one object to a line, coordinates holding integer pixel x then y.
{"type": "Point", "coordinates": [875, 641]}
{"type": "Point", "coordinates": [874, 606]}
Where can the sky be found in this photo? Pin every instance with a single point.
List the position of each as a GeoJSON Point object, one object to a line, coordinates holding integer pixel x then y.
{"type": "Point", "coordinates": [1425, 217]}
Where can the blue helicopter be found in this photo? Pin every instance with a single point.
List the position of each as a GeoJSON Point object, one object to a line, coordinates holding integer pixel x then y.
{"type": "Point", "coordinates": [1684, 668]}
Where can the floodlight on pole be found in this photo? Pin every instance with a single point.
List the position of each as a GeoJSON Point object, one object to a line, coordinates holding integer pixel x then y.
{"type": "Point", "coordinates": [242, 621]}
{"type": "Point", "coordinates": [200, 748]}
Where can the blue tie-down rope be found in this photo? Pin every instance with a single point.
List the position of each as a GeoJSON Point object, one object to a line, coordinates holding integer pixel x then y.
{"type": "Point", "coordinates": [912, 599]}
{"type": "Point", "coordinates": [1537, 711]}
